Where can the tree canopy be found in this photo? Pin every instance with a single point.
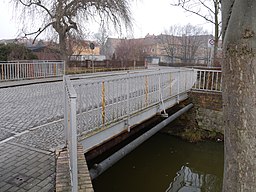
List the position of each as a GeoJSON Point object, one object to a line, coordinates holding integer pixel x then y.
{"type": "Point", "coordinates": [68, 17]}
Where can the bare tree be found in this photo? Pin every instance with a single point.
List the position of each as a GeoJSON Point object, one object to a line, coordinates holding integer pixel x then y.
{"type": "Point", "coordinates": [101, 37]}
{"type": "Point", "coordinates": [66, 17]}
{"type": "Point", "coordinates": [130, 49]}
{"type": "Point", "coordinates": [184, 42]}
{"type": "Point", "coordinates": [239, 94]}
{"type": "Point", "coordinates": [210, 10]}
{"type": "Point", "coordinates": [169, 41]}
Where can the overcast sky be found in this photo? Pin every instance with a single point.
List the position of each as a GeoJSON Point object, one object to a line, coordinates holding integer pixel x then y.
{"type": "Point", "coordinates": [150, 16]}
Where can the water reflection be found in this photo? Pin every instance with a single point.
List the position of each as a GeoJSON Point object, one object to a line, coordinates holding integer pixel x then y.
{"type": "Point", "coordinates": [166, 163]}
{"type": "Point", "coordinates": [189, 181]}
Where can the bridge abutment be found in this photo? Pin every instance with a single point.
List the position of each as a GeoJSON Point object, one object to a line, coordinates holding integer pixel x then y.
{"type": "Point", "coordinates": [203, 121]}
{"type": "Point", "coordinates": [208, 110]}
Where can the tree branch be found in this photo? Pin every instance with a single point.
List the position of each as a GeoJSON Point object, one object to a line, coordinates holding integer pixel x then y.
{"type": "Point", "coordinates": [207, 7]}
{"type": "Point", "coordinates": [38, 32]}
{"type": "Point", "coordinates": [197, 13]}
{"type": "Point", "coordinates": [38, 3]}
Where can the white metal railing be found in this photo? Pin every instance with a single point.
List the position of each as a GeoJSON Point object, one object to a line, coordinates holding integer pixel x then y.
{"type": "Point", "coordinates": [208, 80]}
{"type": "Point", "coordinates": [17, 70]}
{"type": "Point", "coordinates": [105, 101]}
{"type": "Point", "coordinates": [70, 128]}
{"type": "Point", "coordinates": [99, 102]}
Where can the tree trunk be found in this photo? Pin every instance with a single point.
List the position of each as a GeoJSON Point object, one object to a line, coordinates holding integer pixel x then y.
{"type": "Point", "coordinates": [63, 48]}
{"type": "Point", "coordinates": [216, 33]}
{"type": "Point", "coordinates": [239, 94]}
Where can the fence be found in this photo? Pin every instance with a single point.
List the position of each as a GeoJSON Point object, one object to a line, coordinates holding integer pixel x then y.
{"type": "Point", "coordinates": [208, 80]}
{"type": "Point", "coordinates": [18, 70]}
{"type": "Point", "coordinates": [70, 129]}
{"type": "Point", "coordinates": [103, 102]}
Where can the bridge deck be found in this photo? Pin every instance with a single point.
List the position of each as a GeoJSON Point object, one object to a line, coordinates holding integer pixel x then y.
{"type": "Point", "coordinates": [32, 126]}
{"type": "Point", "coordinates": [27, 140]}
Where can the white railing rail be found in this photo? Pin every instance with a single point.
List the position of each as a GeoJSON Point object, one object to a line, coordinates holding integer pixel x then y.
{"type": "Point", "coordinates": [208, 80]}
{"type": "Point", "coordinates": [18, 70]}
{"type": "Point", "coordinates": [70, 128]}
{"type": "Point", "coordinates": [103, 102]}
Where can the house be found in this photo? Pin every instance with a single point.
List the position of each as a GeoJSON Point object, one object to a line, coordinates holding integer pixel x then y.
{"type": "Point", "coordinates": [82, 52]}
{"type": "Point", "coordinates": [45, 50]}
{"type": "Point", "coordinates": [165, 48]}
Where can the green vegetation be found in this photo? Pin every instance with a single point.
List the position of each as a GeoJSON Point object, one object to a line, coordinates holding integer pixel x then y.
{"type": "Point", "coordinates": [14, 51]}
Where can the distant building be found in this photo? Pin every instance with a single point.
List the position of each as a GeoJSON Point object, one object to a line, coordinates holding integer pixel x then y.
{"type": "Point", "coordinates": [110, 47]}
{"type": "Point", "coordinates": [83, 52]}
{"type": "Point", "coordinates": [167, 48]}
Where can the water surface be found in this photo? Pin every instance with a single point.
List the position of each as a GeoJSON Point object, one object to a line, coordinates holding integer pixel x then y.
{"type": "Point", "coordinates": [166, 163]}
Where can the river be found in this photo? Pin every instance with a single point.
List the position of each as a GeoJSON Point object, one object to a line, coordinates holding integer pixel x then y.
{"type": "Point", "coordinates": [166, 164]}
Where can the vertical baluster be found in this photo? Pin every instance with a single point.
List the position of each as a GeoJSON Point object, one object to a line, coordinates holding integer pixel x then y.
{"type": "Point", "coordinates": [200, 78]}
{"type": "Point", "coordinates": [128, 99]}
{"type": "Point", "coordinates": [98, 102]}
{"type": "Point", "coordinates": [217, 81]}
{"type": "Point", "coordinates": [103, 112]}
{"type": "Point", "coordinates": [220, 81]}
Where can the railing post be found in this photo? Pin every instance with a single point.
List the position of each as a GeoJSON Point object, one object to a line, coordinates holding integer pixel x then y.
{"type": "Point", "coordinates": [73, 147]}
{"type": "Point", "coordinates": [64, 68]}
{"type": "Point", "coordinates": [70, 128]}
{"type": "Point", "coordinates": [65, 110]}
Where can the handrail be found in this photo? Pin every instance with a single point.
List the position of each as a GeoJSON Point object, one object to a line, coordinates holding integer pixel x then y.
{"type": "Point", "coordinates": [70, 128]}
{"type": "Point", "coordinates": [19, 70]}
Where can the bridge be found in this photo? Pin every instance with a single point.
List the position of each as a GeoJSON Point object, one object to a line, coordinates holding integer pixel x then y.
{"type": "Point", "coordinates": [97, 107]}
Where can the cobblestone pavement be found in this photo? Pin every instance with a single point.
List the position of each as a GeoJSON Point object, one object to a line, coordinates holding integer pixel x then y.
{"type": "Point", "coordinates": [27, 169]}
{"type": "Point", "coordinates": [26, 107]}
{"type": "Point", "coordinates": [31, 128]}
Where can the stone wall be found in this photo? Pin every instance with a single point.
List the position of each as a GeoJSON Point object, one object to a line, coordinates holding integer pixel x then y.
{"type": "Point", "coordinates": [208, 107]}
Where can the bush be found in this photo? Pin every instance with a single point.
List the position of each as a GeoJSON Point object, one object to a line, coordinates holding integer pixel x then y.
{"type": "Point", "coordinates": [14, 51]}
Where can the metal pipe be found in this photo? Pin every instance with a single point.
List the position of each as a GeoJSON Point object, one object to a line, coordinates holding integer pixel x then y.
{"type": "Point", "coordinates": [107, 163]}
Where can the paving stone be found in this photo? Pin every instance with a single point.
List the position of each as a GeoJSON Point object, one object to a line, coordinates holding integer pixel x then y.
{"type": "Point", "coordinates": [25, 176]}
{"type": "Point", "coordinates": [5, 134]}
{"type": "Point", "coordinates": [27, 103]}
{"type": "Point", "coordinates": [32, 111]}
{"type": "Point", "coordinates": [14, 189]}
{"type": "Point", "coordinates": [2, 183]}
{"type": "Point", "coordinates": [6, 187]}
{"type": "Point", "coordinates": [45, 182]}
{"type": "Point", "coordinates": [49, 187]}
{"type": "Point", "coordinates": [35, 189]}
